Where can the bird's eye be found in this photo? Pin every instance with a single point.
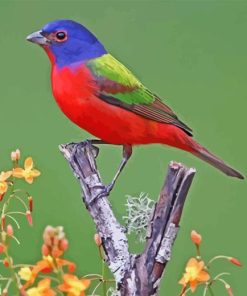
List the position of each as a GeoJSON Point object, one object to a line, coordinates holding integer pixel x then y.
{"type": "Point", "coordinates": [61, 36]}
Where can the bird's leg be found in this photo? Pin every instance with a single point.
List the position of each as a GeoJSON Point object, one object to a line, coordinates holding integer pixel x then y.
{"type": "Point", "coordinates": [127, 151]}
{"type": "Point", "coordinates": [97, 141]}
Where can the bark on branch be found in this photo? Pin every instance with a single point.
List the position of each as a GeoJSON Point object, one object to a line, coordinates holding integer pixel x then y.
{"type": "Point", "coordinates": [136, 275]}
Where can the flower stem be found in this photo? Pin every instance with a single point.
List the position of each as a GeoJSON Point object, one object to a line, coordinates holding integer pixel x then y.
{"type": "Point", "coordinates": [23, 265]}
{"type": "Point", "coordinates": [93, 293]}
{"type": "Point", "coordinates": [92, 274]}
{"type": "Point", "coordinates": [21, 201]}
{"type": "Point", "coordinates": [210, 291]}
{"type": "Point", "coordinates": [198, 252]}
{"type": "Point", "coordinates": [16, 222]}
{"type": "Point", "coordinates": [216, 258]}
{"type": "Point", "coordinates": [220, 275]}
{"type": "Point", "coordinates": [103, 278]}
{"type": "Point", "coordinates": [59, 270]}
{"type": "Point", "coordinates": [15, 212]}
{"type": "Point", "coordinates": [205, 290]}
{"type": "Point", "coordinates": [14, 276]}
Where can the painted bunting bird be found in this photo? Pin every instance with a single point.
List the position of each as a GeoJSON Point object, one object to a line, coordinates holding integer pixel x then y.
{"type": "Point", "coordinates": [103, 97]}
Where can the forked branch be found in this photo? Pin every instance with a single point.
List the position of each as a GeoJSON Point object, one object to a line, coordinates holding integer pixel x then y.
{"type": "Point", "coordinates": [136, 275]}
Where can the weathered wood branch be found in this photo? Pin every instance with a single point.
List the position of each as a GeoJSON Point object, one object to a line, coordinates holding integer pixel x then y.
{"type": "Point", "coordinates": [136, 275]}
{"type": "Point", "coordinates": [161, 234]}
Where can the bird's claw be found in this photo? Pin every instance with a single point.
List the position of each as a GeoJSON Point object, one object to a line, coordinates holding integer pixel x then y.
{"type": "Point", "coordinates": [86, 142]}
{"type": "Point", "coordinates": [104, 192]}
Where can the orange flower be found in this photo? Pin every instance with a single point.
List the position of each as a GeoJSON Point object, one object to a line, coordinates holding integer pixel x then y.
{"type": "Point", "coordinates": [48, 264]}
{"type": "Point", "coordinates": [196, 237]}
{"type": "Point", "coordinates": [70, 265]}
{"type": "Point", "coordinates": [3, 184]}
{"type": "Point", "coordinates": [43, 289]}
{"type": "Point", "coordinates": [28, 173]}
{"type": "Point", "coordinates": [74, 286]}
{"type": "Point", "coordinates": [194, 274]}
{"type": "Point", "coordinates": [25, 273]}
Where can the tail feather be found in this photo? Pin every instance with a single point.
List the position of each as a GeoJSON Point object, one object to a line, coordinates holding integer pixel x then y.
{"type": "Point", "coordinates": [175, 137]}
{"type": "Point", "coordinates": [210, 158]}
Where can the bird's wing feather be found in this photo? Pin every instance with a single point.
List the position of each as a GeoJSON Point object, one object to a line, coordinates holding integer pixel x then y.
{"type": "Point", "coordinates": [119, 87]}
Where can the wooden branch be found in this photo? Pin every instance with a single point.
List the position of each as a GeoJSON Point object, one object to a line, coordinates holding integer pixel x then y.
{"type": "Point", "coordinates": [82, 161]}
{"type": "Point", "coordinates": [161, 234]}
{"type": "Point", "coordinates": [136, 275]}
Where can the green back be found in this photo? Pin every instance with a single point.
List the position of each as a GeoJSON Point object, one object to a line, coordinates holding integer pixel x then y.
{"type": "Point", "coordinates": [110, 68]}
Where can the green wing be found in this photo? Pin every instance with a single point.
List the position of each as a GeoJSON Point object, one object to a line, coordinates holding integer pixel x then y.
{"type": "Point", "coordinates": [119, 87]}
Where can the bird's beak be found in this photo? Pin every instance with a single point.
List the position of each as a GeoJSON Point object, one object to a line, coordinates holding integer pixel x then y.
{"type": "Point", "coordinates": [38, 38]}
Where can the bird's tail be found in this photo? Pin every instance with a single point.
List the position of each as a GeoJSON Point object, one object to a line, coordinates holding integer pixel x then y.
{"type": "Point", "coordinates": [202, 153]}
{"type": "Point", "coordinates": [175, 137]}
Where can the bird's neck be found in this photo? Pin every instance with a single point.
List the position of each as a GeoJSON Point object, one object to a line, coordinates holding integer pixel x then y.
{"type": "Point", "coordinates": [66, 57]}
{"type": "Point", "coordinates": [73, 82]}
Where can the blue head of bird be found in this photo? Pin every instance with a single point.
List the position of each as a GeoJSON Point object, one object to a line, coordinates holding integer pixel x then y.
{"type": "Point", "coordinates": [67, 42]}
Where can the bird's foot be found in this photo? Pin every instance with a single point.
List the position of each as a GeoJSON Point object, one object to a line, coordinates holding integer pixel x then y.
{"type": "Point", "coordinates": [88, 143]}
{"type": "Point", "coordinates": [105, 191]}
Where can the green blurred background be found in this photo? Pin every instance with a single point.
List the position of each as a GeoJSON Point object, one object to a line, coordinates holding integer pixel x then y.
{"type": "Point", "coordinates": [191, 52]}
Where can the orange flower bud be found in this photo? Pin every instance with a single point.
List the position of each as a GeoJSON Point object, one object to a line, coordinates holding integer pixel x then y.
{"type": "Point", "coordinates": [229, 290]}
{"type": "Point", "coordinates": [196, 237]}
{"type": "Point", "coordinates": [18, 154]}
{"type": "Point", "coordinates": [6, 262]}
{"type": "Point", "coordinates": [5, 292]}
{"type": "Point", "coordinates": [47, 239]}
{"type": "Point", "coordinates": [22, 291]}
{"type": "Point", "coordinates": [15, 155]}
{"type": "Point", "coordinates": [30, 203]}
{"type": "Point", "coordinates": [10, 230]}
{"type": "Point", "coordinates": [4, 234]}
{"type": "Point", "coordinates": [2, 248]}
{"type": "Point", "coordinates": [3, 222]}
{"type": "Point", "coordinates": [29, 218]}
{"type": "Point", "coordinates": [56, 252]}
{"type": "Point", "coordinates": [235, 261]}
{"type": "Point", "coordinates": [45, 250]}
{"type": "Point", "coordinates": [55, 240]}
{"type": "Point", "coordinates": [64, 244]}
{"type": "Point", "coordinates": [2, 196]}
{"type": "Point", "coordinates": [71, 267]}
{"type": "Point", "coordinates": [97, 240]}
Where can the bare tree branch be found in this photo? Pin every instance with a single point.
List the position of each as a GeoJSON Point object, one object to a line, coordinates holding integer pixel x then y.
{"type": "Point", "coordinates": [136, 275]}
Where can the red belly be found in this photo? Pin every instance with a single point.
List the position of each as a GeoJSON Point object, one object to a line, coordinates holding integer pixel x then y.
{"type": "Point", "coordinates": [75, 95]}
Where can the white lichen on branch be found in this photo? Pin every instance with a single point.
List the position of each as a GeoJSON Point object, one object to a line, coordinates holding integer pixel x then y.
{"type": "Point", "coordinates": [138, 210]}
